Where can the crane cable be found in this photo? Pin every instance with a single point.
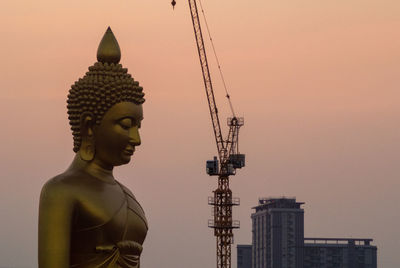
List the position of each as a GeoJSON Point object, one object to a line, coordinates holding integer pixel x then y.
{"type": "Point", "coordinates": [216, 57]}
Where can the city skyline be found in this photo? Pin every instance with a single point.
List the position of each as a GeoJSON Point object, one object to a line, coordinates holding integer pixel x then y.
{"type": "Point", "coordinates": [278, 241]}
{"type": "Point", "coordinates": [317, 84]}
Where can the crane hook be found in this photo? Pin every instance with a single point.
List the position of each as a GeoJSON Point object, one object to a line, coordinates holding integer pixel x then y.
{"type": "Point", "coordinates": [173, 3]}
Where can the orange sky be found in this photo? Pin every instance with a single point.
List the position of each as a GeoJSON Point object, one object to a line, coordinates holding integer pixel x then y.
{"type": "Point", "coordinates": [317, 82]}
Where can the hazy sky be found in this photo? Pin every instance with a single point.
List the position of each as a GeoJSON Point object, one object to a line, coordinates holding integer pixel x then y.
{"type": "Point", "coordinates": [317, 82]}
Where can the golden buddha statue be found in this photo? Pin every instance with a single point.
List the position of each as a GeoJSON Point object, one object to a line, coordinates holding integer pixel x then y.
{"type": "Point", "coordinates": [86, 217]}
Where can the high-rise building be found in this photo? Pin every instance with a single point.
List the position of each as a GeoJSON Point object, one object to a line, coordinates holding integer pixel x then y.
{"type": "Point", "coordinates": [278, 233]}
{"type": "Point", "coordinates": [278, 241]}
{"type": "Point", "coordinates": [339, 252]}
{"type": "Point", "coordinates": [244, 256]}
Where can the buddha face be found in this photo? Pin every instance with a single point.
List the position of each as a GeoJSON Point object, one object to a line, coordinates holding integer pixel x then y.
{"type": "Point", "coordinates": [118, 134]}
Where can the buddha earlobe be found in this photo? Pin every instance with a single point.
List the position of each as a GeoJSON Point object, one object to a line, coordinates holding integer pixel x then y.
{"type": "Point", "coordinates": [87, 149]}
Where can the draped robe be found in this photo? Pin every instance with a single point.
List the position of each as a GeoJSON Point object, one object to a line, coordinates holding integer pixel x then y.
{"type": "Point", "coordinates": [115, 243]}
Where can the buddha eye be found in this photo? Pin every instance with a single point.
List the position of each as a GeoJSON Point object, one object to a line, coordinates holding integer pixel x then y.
{"type": "Point", "coordinates": [126, 123]}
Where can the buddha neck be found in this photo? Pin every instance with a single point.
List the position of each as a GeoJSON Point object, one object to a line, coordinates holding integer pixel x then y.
{"type": "Point", "coordinates": [94, 169]}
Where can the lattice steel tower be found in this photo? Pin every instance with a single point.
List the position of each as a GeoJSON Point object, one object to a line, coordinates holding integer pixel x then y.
{"type": "Point", "coordinates": [228, 154]}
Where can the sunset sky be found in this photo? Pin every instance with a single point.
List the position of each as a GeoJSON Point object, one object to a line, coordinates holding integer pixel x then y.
{"type": "Point", "coordinates": [318, 83]}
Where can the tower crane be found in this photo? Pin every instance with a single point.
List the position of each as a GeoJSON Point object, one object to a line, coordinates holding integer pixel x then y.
{"type": "Point", "coordinates": [229, 159]}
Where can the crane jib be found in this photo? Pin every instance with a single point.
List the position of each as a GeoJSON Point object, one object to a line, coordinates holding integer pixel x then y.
{"type": "Point", "coordinates": [207, 80]}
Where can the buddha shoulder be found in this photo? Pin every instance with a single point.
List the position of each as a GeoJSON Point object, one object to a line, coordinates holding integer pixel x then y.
{"type": "Point", "coordinates": [64, 185]}
{"type": "Point", "coordinates": [127, 191]}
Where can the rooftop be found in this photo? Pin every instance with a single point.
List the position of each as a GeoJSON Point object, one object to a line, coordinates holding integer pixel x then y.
{"type": "Point", "coordinates": [277, 202]}
{"type": "Point", "coordinates": [325, 240]}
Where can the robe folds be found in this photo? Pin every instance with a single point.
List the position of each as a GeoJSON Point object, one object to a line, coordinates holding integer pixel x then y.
{"type": "Point", "coordinates": [115, 243]}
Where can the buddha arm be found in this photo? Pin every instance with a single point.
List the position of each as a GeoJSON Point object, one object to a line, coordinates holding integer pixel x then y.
{"type": "Point", "coordinates": [55, 217]}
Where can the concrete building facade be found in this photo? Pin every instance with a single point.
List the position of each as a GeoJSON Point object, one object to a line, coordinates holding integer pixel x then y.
{"type": "Point", "coordinates": [244, 256]}
{"type": "Point", "coordinates": [277, 233]}
{"type": "Point", "coordinates": [339, 252]}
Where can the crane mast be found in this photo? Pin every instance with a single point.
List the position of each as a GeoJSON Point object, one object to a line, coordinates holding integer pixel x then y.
{"type": "Point", "coordinates": [228, 155]}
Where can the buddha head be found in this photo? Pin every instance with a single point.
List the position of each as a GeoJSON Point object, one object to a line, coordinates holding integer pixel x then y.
{"type": "Point", "coordinates": [105, 109]}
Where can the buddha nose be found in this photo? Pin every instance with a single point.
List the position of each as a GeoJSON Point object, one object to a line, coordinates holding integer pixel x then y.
{"type": "Point", "coordinates": [134, 137]}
